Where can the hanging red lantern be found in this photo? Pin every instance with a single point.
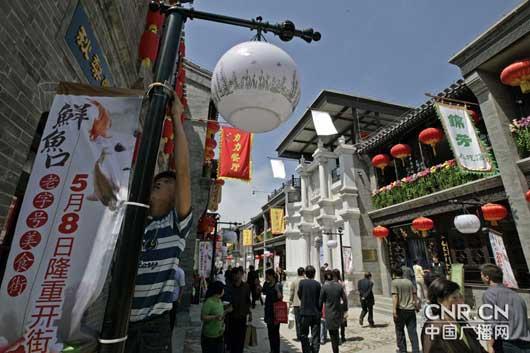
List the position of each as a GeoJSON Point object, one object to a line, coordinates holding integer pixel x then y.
{"type": "Point", "coordinates": [381, 232]}
{"type": "Point", "coordinates": [494, 212]}
{"type": "Point", "coordinates": [256, 257]}
{"type": "Point", "coordinates": [474, 115]}
{"type": "Point", "coordinates": [423, 224]}
{"type": "Point", "coordinates": [210, 144]}
{"type": "Point", "coordinates": [431, 136]}
{"type": "Point", "coordinates": [517, 74]}
{"type": "Point", "coordinates": [220, 182]}
{"type": "Point", "coordinates": [148, 48]}
{"type": "Point", "coordinates": [204, 224]}
{"type": "Point", "coordinates": [154, 21]}
{"type": "Point", "coordinates": [401, 151]}
{"type": "Point", "coordinates": [212, 126]}
{"type": "Point", "coordinates": [381, 161]}
{"type": "Point", "coordinates": [229, 257]}
{"type": "Point", "coordinates": [528, 196]}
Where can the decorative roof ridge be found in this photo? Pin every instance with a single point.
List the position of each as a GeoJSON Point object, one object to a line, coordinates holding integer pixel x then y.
{"type": "Point", "coordinates": [408, 120]}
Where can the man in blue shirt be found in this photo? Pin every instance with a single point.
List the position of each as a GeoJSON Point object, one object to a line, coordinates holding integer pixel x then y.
{"type": "Point", "coordinates": [164, 240]}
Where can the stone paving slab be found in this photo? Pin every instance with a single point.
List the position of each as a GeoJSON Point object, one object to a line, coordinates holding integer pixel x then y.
{"type": "Point", "coordinates": [380, 339]}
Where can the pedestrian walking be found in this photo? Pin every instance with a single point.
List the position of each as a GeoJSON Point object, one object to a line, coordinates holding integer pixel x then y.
{"type": "Point", "coordinates": [328, 276]}
{"type": "Point", "coordinates": [421, 289]}
{"type": "Point", "coordinates": [273, 292]}
{"type": "Point", "coordinates": [497, 295]}
{"type": "Point", "coordinates": [365, 287]}
{"type": "Point", "coordinates": [408, 273]}
{"type": "Point", "coordinates": [255, 288]}
{"type": "Point", "coordinates": [170, 220]}
{"type": "Point", "coordinates": [337, 277]}
{"type": "Point", "coordinates": [294, 300]}
{"type": "Point", "coordinates": [404, 307]}
{"type": "Point", "coordinates": [310, 311]}
{"type": "Point", "coordinates": [437, 268]}
{"type": "Point", "coordinates": [446, 294]}
{"type": "Point", "coordinates": [180, 283]}
{"type": "Point", "coordinates": [220, 276]}
{"type": "Point", "coordinates": [237, 319]}
{"type": "Point", "coordinates": [333, 299]}
{"type": "Point", "coordinates": [213, 316]}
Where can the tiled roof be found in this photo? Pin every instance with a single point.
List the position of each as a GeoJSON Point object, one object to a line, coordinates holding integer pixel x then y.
{"type": "Point", "coordinates": [413, 118]}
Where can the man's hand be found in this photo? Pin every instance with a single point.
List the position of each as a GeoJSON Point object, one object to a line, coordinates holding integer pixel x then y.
{"type": "Point", "coordinates": [182, 167]}
{"type": "Point", "coordinates": [395, 316]}
{"type": "Point", "coordinates": [177, 109]}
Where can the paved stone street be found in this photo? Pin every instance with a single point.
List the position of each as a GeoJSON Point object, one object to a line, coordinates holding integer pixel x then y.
{"type": "Point", "coordinates": [380, 339]}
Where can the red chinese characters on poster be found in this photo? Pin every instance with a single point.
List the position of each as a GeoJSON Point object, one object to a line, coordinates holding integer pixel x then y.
{"type": "Point", "coordinates": [234, 160]}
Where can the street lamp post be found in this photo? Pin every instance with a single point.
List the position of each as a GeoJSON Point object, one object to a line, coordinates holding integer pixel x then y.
{"type": "Point", "coordinates": [116, 319]}
{"type": "Point", "coordinates": [339, 234]}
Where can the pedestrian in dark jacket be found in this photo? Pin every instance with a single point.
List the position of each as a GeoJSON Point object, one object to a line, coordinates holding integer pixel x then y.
{"type": "Point", "coordinates": [273, 292]}
{"type": "Point", "coordinates": [310, 311]}
{"type": "Point", "coordinates": [365, 286]}
{"type": "Point", "coordinates": [333, 298]}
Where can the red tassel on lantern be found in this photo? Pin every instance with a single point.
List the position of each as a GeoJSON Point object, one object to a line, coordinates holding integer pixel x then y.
{"type": "Point", "coordinates": [148, 48]}
{"type": "Point", "coordinates": [154, 21]}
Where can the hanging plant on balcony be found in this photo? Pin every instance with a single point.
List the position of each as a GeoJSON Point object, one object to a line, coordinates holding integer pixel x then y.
{"type": "Point", "coordinates": [431, 136]}
{"type": "Point", "coordinates": [401, 151]}
{"type": "Point", "coordinates": [520, 129]}
{"type": "Point", "coordinates": [494, 212]}
{"type": "Point", "coordinates": [381, 161]}
{"type": "Point", "coordinates": [517, 74]}
{"type": "Point", "coordinates": [423, 224]}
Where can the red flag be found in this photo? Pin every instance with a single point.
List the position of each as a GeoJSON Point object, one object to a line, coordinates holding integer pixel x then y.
{"type": "Point", "coordinates": [234, 160]}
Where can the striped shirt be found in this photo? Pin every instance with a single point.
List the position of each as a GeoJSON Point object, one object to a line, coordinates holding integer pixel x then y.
{"type": "Point", "coordinates": [163, 242]}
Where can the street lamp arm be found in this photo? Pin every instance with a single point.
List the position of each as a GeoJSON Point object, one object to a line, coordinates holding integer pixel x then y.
{"type": "Point", "coordinates": [285, 30]}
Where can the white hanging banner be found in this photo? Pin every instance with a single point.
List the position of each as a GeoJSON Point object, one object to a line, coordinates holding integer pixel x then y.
{"type": "Point", "coordinates": [501, 259]}
{"type": "Point", "coordinates": [463, 138]}
{"type": "Point", "coordinates": [205, 258]}
{"type": "Point", "coordinates": [278, 168]}
{"type": "Point", "coordinates": [69, 219]}
{"type": "Point", "coordinates": [323, 123]}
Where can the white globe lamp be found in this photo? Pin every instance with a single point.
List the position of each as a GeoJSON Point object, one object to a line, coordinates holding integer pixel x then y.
{"type": "Point", "coordinates": [467, 223]}
{"type": "Point", "coordinates": [332, 244]}
{"type": "Point", "coordinates": [229, 236]}
{"type": "Point", "coordinates": [255, 86]}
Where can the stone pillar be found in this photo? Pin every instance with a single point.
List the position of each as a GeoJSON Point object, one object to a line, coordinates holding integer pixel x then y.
{"type": "Point", "coordinates": [304, 184]}
{"type": "Point", "coordinates": [323, 177]}
{"type": "Point", "coordinates": [497, 108]}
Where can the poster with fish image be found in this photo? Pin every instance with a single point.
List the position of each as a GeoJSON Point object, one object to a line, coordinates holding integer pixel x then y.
{"type": "Point", "coordinates": [69, 220]}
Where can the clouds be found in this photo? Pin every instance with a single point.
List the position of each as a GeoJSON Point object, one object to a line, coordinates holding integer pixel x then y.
{"type": "Point", "coordinates": [238, 203]}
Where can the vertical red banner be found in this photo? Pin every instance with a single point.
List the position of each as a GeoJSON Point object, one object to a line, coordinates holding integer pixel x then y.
{"type": "Point", "coordinates": [234, 160]}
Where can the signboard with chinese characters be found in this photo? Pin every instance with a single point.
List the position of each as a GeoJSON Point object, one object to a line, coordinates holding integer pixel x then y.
{"type": "Point", "coordinates": [277, 221]}
{"type": "Point", "coordinates": [70, 217]}
{"type": "Point", "coordinates": [247, 237]}
{"type": "Point", "coordinates": [463, 138]}
{"type": "Point", "coordinates": [205, 258]}
{"type": "Point", "coordinates": [86, 49]}
{"type": "Point", "coordinates": [234, 153]}
{"type": "Point", "coordinates": [457, 275]}
{"type": "Point", "coordinates": [501, 259]}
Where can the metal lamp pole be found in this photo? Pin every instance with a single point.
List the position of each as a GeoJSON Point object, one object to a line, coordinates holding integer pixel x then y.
{"type": "Point", "coordinates": [116, 319]}
{"type": "Point", "coordinates": [339, 234]}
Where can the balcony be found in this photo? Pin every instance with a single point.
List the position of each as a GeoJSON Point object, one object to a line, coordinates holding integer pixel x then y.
{"type": "Point", "coordinates": [431, 180]}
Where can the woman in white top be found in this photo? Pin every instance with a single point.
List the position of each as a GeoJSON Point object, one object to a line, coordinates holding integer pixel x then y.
{"type": "Point", "coordinates": [420, 282]}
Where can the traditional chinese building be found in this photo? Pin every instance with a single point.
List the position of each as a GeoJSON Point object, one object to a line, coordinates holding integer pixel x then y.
{"type": "Point", "coordinates": [94, 43]}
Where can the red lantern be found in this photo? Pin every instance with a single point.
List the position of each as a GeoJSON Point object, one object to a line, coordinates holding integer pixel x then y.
{"type": "Point", "coordinates": [209, 155]}
{"type": "Point", "coordinates": [210, 144]}
{"type": "Point", "coordinates": [528, 196]}
{"type": "Point", "coordinates": [148, 48]}
{"type": "Point", "coordinates": [381, 232]}
{"type": "Point", "coordinates": [493, 212]}
{"type": "Point", "coordinates": [423, 224]}
{"type": "Point", "coordinates": [517, 74]}
{"type": "Point", "coordinates": [154, 21]}
{"type": "Point", "coordinates": [474, 115]}
{"type": "Point", "coordinates": [401, 151]}
{"type": "Point", "coordinates": [212, 126]}
{"type": "Point", "coordinates": [220, 182]}
{"type": "Point", "coordinates": [256, 257]}
{"type": "Point", "coordinates": [431, 136]}
{"type": "Point", "coordinates": [381, 161]}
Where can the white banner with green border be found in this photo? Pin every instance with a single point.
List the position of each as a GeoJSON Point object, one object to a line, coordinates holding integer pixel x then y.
{"type": "Point", "coordinates": [463, 138]}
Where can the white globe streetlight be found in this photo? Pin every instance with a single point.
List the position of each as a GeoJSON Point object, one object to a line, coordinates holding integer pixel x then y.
{"type": "Point", "coordinates": [229, 236]}
{"type": "Point", "coordinates": [332, 244]}
{"type": "Point", "coordinates": [467, 223]}
{"type": "Point", "coordinates": [255, 86]}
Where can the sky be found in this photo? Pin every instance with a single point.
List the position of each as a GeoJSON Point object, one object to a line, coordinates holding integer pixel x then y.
{"type": "Point", "coordinates": [394, 50]}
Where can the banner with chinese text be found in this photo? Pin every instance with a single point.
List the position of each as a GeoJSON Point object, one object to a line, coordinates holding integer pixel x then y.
{"type": "Point", "coordinates": [235, 149]}
{"type": "Point", "coordinates": [463, 138]}
{"type": "Point", "coordinates": [247, 237]}
{"type": "Point", "coordinates": [205, 258]}
{"type": "Point", "coordinates": [501, 259]}
{"type": "Point", "coordinates": [70, 217]}
{"type": "Point", "coordinates": [277, 221]}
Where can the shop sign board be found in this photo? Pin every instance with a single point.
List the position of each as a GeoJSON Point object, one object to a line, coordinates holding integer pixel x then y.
{"type": "Point", "coordinates": [463, 138]}
{"type": "Point", "coordinates": [501, 258]}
